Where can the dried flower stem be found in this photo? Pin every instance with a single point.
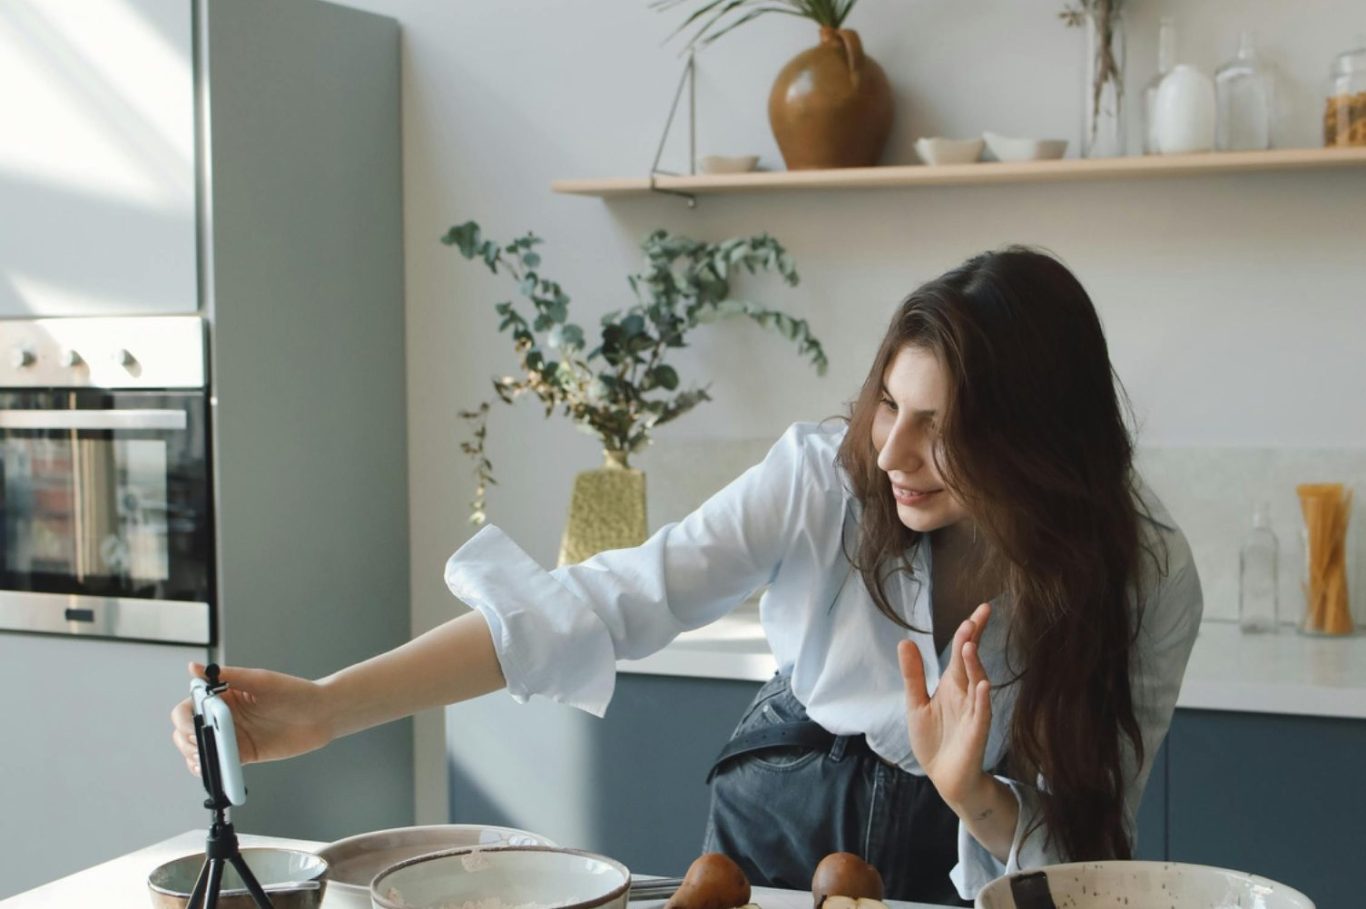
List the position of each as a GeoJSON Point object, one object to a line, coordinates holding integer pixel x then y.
{"type": "Point", "coordinates": [1104, 16]}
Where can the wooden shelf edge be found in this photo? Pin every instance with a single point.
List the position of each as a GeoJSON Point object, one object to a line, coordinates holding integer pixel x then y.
{"type": "Point", "coordinates": [981, 173]}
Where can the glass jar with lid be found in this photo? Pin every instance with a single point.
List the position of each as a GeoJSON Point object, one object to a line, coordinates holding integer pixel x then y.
{"type": "Point", "coordinates": [1344, 114]}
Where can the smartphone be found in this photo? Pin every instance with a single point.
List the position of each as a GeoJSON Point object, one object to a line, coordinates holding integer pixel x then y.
{"type": "Point", "coordinates": [217, 742]}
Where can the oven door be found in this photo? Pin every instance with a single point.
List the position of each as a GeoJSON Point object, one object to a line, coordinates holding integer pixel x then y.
{"type": "Point", "coordinates": [105, 516]}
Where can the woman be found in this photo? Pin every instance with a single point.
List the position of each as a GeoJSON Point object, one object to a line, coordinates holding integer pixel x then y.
{"type": "Point", "coordinates": [980, 616]}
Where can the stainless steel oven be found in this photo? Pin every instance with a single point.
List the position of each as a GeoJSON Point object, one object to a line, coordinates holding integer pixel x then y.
{"type": "Point", "coordinates": [106, 524]}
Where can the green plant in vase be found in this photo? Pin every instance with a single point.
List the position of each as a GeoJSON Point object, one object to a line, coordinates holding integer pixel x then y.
{"type": "Point", "coordinates": [621, 388]}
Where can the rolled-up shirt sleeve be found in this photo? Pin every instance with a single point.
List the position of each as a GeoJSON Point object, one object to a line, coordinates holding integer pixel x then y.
{"type": "Point", "coordinates": [559, 633]}
{"type": "Point", "coordinates": [1166, 635]}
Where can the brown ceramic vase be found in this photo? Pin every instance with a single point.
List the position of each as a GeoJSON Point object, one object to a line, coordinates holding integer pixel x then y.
{"type": "Point", "coordinates": [831, 106]}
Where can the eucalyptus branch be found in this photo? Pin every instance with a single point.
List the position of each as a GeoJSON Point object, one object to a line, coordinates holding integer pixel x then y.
{"type": "Point", "coordinates": [483, 470]}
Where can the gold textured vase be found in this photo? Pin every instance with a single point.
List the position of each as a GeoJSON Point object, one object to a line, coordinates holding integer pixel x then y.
{"type": "Point", "coordinates": [606, 510]}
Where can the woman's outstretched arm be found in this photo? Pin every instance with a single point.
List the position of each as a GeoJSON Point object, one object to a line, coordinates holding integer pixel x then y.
{"type": "Point", "coordinates": [279, 716]}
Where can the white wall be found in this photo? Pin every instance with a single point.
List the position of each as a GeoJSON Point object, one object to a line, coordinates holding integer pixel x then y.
{"type": "Point", "coordinates": [1234, 304]}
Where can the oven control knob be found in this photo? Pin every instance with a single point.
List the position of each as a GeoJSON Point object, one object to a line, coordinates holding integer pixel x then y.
{"type": "Point", "coordinates": [70, 358]}
{"type": "Point", "coordinates": [21, 357]}
{"type": "Point", "coordinates": [124, 357]}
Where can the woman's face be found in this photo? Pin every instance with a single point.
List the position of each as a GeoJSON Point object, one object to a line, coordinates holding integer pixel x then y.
{"type": "Point", "coordinates": [906, 437]}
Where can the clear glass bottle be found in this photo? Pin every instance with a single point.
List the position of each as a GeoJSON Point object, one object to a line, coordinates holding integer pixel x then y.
{"type": "Point", "coordinates": [1166, 59]}
{"type": "Point", "coordinates": [1257, 576]}
{"type": "Point", "coordinates": [1344, 113]}
{"type": "Point", "coordinates": [1243, 95]}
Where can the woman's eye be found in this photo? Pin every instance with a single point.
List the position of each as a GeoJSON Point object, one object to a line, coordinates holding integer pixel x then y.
{"type": "Point", "coordinates": [889, 404]}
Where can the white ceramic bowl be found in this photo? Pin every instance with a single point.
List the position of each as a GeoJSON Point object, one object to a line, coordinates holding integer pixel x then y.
{"type": "Point", "coordinates": [1008, 148]}
{"type": "Point", "coordinates": [728, 164]}
{"type": "Point", "coordinates": [507, 877]}
{"type": "Point", "coordinates": [354, 861]}
{"type": "Point", "coordinates": [1103, 885]}
{"type": "Point", "coordinates": [172, 883]}
{"type": "Point", "coordinates": [937, 150]}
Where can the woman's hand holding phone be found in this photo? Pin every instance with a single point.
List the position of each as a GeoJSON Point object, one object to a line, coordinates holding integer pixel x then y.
{"type": "Point", "coordinates": [276, 716]}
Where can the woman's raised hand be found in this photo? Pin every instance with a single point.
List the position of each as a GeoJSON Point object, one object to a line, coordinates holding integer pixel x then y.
{"type": "Point", "coordinates": [276, 716]}
{"type": "Point", "coordinates": [949, 730]}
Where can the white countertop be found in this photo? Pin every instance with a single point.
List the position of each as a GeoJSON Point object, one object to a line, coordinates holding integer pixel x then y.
{"type": "Point", "coordinates": [122, 882]}
{"type": "Point", "coordinates": [1284, 673]}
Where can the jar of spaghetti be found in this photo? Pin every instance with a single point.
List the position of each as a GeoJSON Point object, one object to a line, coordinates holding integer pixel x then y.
{"type": "Point", "coordinates": [1344, 113]}
{"type": "Point", "coordinates": [1327, 508]}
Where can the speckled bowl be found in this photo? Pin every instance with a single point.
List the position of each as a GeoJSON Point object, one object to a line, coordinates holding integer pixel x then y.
{"type": "Point", "coordinates": [1137, 885]}
{"type": "Point", "coordinates": [504, 876]}
{"type": "Point", "coordinates": [172, 883]}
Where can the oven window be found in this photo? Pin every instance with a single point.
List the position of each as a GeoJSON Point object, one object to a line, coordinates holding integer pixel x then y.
{"type": "Point", "coordinates": [105, 494]}
{"type": "Point", "coordinates": [87, 509]}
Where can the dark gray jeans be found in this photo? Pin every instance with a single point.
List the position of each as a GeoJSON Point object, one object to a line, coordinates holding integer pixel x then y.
{"type": "Point", "coordinates": [778, 811]}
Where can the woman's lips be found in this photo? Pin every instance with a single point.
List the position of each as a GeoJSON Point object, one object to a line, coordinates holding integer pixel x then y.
{"type": "Point", "coordinates": [907, 496]}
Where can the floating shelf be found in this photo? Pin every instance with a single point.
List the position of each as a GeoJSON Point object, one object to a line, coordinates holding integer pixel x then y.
{"type": "Point", "coordinates": [1058, 171]}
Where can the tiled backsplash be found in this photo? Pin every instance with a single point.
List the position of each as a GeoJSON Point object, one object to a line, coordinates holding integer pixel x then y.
{"type": "Point", "coordinates": [1209, 491]}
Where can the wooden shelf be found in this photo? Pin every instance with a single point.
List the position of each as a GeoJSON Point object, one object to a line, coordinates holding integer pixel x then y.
{"type": "Point", "coordinates": [1059, 171]}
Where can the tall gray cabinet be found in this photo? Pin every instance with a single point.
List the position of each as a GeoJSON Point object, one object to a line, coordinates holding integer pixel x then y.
{"type": "Point", "coordinates": [302, 280]}
{"type": "Point", "coordinates": [239, 159]}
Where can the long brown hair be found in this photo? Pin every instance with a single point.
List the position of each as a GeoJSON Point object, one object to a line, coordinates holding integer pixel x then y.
{"type": "Point", "coordinates": [1037, 447]}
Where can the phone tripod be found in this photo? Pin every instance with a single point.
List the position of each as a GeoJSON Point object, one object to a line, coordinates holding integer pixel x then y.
{"type": "Point", "coordinates": [220, 847]}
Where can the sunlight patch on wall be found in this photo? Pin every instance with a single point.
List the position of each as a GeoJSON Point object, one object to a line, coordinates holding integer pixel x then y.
{"type": "Point", "coordinates": [97, 101]}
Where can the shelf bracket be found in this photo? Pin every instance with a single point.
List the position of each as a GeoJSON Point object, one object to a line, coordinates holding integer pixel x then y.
{"type": "Point", "coordinates": [689, 79]}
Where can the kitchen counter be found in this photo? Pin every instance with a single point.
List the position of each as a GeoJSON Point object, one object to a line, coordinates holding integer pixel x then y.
{"type": "Point", "coordinates": [122, 882]}
{"type": "Point", "coordinates": [1285, 673]}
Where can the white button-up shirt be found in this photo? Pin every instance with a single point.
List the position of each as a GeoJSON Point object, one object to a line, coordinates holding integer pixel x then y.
{"type": "Point", "coordinates": [784, 524]}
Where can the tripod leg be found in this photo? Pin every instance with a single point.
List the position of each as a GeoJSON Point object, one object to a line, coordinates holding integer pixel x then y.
{"type": "Point", "coordinates": [215, 883]}
{"type": "Point", "coordinates": [257, 894]}
{"type": "Point", "coordinates": [200, 885]}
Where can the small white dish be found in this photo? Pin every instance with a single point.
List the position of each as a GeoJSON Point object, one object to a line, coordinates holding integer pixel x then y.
{"type": "Point", "coordinates": [1009, 148]}
{"type": "Point", "coordinates": [728, 164]}
{"type": "Point", "coordinates": [938, 150]}
{"type": "Point", "coordinates": [1138, 884]}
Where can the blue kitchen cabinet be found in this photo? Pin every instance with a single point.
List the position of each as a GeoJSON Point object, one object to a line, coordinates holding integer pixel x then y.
{"type": "Point", "coordinates": [1152, 812]}
{"type": "Point", "coordinates": [631, 785]}
{"type": "Point", "coordinates": [1283, 796]}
